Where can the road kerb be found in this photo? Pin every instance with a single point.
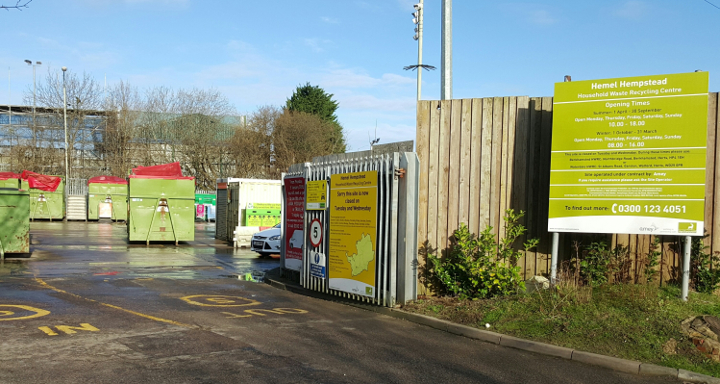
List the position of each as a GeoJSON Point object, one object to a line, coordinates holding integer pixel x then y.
{"type": "Point", "coordinates": [474, 333]}
{"type": "Point", "coordinates": [657, 370]}
{"type": "Point", "coordinates": [534, 346]}
{"type": "Point", "coordinates": [613, 363]}
{"type": "Point", "coordinates": [425, 320]}
{"type": "Point", "coordinates": [697, 377]}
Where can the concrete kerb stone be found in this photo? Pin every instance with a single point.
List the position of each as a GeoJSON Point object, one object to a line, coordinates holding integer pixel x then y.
{"type": "Point", "coordinates": [697, 377]}
{"type": "Point", "coordinates": [657, 370]}
{"type": "Point", "coordinates": [474, 333]}
{"type": "Point", "coordinates": [614, 363]}
{"type": "Point", "coordinates": [533, 346]}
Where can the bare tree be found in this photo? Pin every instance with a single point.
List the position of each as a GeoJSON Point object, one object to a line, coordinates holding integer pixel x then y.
{"type": "Point", "coordinates": [297, 137]}
{"type": "Point", "coordinates": [84, 120]}
{"type": "Point", "coordinates": [251, 146]}
{"type": "Point", "coordinates": [19, 5]}
{"type": "Point", "coordinates": [190, 126]}
{"type": "Point", "coordinates": [122, 106]}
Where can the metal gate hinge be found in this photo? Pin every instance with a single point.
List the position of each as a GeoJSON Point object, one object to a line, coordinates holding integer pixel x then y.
{"type": "Point", "coordinates": [400, 172]}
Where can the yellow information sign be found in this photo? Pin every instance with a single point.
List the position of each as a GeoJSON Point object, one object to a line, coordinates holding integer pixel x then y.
{"type": "Point", "coordinates": [353, 232]}
{"type": "Point", "coordinates": [316, 196]}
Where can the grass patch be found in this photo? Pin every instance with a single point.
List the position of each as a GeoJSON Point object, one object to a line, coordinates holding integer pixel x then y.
{"type": "Point", "coordinates": [626, 321]}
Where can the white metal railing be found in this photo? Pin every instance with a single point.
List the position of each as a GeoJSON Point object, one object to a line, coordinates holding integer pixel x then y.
{"type": "Point", "coordinates": [396, 241]}
{"type": "Point", "coordinates": [77, 187]}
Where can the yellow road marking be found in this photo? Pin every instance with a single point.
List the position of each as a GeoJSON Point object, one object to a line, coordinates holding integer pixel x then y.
{"type": "Point", "coordinates": [48, 330]}
{"type": "Point", "coordinates": [258, 312]}
{"type": "Point", "coordinates": [154, 318]}
{"type": "Point", "coordinates": [219, 301]}
{"type": "Point", "coordinates": [38, 312]}
{"type": "Point", "coordinates": [70, 330]}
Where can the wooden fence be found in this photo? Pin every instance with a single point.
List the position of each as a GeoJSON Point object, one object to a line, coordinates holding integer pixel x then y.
{"type": "Point", "coordinates": [479, 157]}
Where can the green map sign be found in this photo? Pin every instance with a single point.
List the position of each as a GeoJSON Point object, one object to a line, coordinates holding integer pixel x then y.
{"type": "Point", "coordinates": [628, 155]}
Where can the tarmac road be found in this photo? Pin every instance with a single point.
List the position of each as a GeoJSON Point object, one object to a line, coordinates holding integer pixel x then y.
{"type": "Point", "coordinates": [89, 308]}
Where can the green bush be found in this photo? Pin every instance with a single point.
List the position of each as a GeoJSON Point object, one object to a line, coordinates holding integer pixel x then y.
{"type": "Point", "coordinates": [595, 264]}
{"type": "Point", "coordinates": [704, 267]}
{"type": "Point", "coordinates": [482, 267]}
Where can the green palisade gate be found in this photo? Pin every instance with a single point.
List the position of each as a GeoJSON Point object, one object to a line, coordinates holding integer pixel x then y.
{"type": "Point", "coordinates": [52, 208]}
{"type": "Point", "coordinates": [98, 192]}
{"type": "Point", "coordinates": [161, 210]}
{"type": "Point", "coordinates": [14, 221]}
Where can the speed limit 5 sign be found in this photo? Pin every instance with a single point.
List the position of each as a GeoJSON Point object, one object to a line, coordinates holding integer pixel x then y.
{"type": "Point", "coordinates": [316, 231]}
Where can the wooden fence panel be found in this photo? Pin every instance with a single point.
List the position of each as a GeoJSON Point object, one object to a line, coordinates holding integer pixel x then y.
{"type": "Point", "coordinates": [485, 163]}
{"type": "Point", "coordinates": [433, 172]}
{"type": "Point", "coordinates": [475, 168]}
{"type": "Point", "coordinates": [454, 170]}
{"type": "Point", "coordinates": [479, 157]}
{"type": "Point", "coordinates": [444, 175]}
{"type": "Point", "coordinates": [422, 147]}
{"type": "Point", "coordinates": [712, 200]}
{"type": "Point", "coordinates": [465, 161]}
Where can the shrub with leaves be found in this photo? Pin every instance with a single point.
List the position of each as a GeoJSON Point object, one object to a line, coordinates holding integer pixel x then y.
{"type": "Point", "coordinates": [652, 260]}
{"type": "Point", "coordinates": [481, 267]}
{"type": "Point", "coordinates": [595, 264]}
{"type": "Point", "coordinates": [704, 268]}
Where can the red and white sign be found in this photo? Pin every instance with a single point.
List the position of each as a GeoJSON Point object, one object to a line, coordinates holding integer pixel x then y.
{"type": "Point", "coordinates": [316, 231]}
{"type": "Point", "coordinates": [294, 212]}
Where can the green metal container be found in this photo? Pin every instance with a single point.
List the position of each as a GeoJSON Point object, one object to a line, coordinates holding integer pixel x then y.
{"type": "Point", "coordinates": [10, 183]}
{"type": "Point", "coordinates": [114, 194]}
{"type": "Point", "coordinates": [14, 221]}
{"type": "Point", "coordinates": [161, 210]}
{"type": "Point", "coordinates": [46, 205]}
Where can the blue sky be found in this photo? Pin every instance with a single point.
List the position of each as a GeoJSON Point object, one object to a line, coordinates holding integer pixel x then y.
{"type": "Point", "coordinates": [257, 52]}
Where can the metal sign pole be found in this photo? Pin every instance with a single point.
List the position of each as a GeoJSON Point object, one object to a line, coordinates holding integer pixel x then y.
{"type": "Point", "coordinates": [686, 268]}
{"type": "Point", "coordinates": [554, 260]}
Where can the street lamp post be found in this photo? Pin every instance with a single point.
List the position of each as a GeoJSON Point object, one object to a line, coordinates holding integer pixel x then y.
{"type": "Point", "coordinates": [67, 160]}
{"type": "Point", "coordinates": [29, 62]}
{"type": "Point", "coordinates": [419, 37]}
{"type": "Point", "coordinates": [418, 21]}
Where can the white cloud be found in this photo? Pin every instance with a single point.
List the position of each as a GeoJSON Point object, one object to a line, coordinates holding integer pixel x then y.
{"type": "Point", "coordinates": [387, 133]}
{"type": "Point", "coordinates": [356, 78]}
{"type": "Point", "coordinates": [632, 10]}
{"type": "Point", "coordinates": [542, 17]}
{"type": "Point", "coordinates": [315, 44]}
{"type": "Point", "coordinates": [370, 102]}
{"type": "Point", "coordinates": [330, 20]}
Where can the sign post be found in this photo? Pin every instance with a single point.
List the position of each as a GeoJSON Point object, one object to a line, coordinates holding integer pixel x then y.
{"type": "Point", "coordinates": [629, 154]}
{"type": "Point", "coordinates": [316, 195]}
{"type": "Point", "coordinates": [353, 232]}
{"type": "Point", "coordinates": [294, 217]}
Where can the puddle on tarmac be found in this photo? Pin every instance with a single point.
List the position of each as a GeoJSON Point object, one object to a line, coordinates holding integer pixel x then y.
{"type": "Point", "coordinates": [102, 250]}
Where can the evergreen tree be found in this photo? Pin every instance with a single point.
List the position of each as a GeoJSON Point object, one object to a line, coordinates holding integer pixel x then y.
{"type": "Point", "coordinates": [314, 100]}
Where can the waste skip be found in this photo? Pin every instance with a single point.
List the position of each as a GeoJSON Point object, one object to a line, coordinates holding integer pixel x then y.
{"type": "Point", "coordinates": [162, 204]}
{"type": "Point", "coordinates": [14, 221]}
{"type": "Point", "coordinates": [9, 180]}
{"type": "Point", "coordinates": [107, 198]}
{"type": "Point", "coordinates": [47, 195]}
